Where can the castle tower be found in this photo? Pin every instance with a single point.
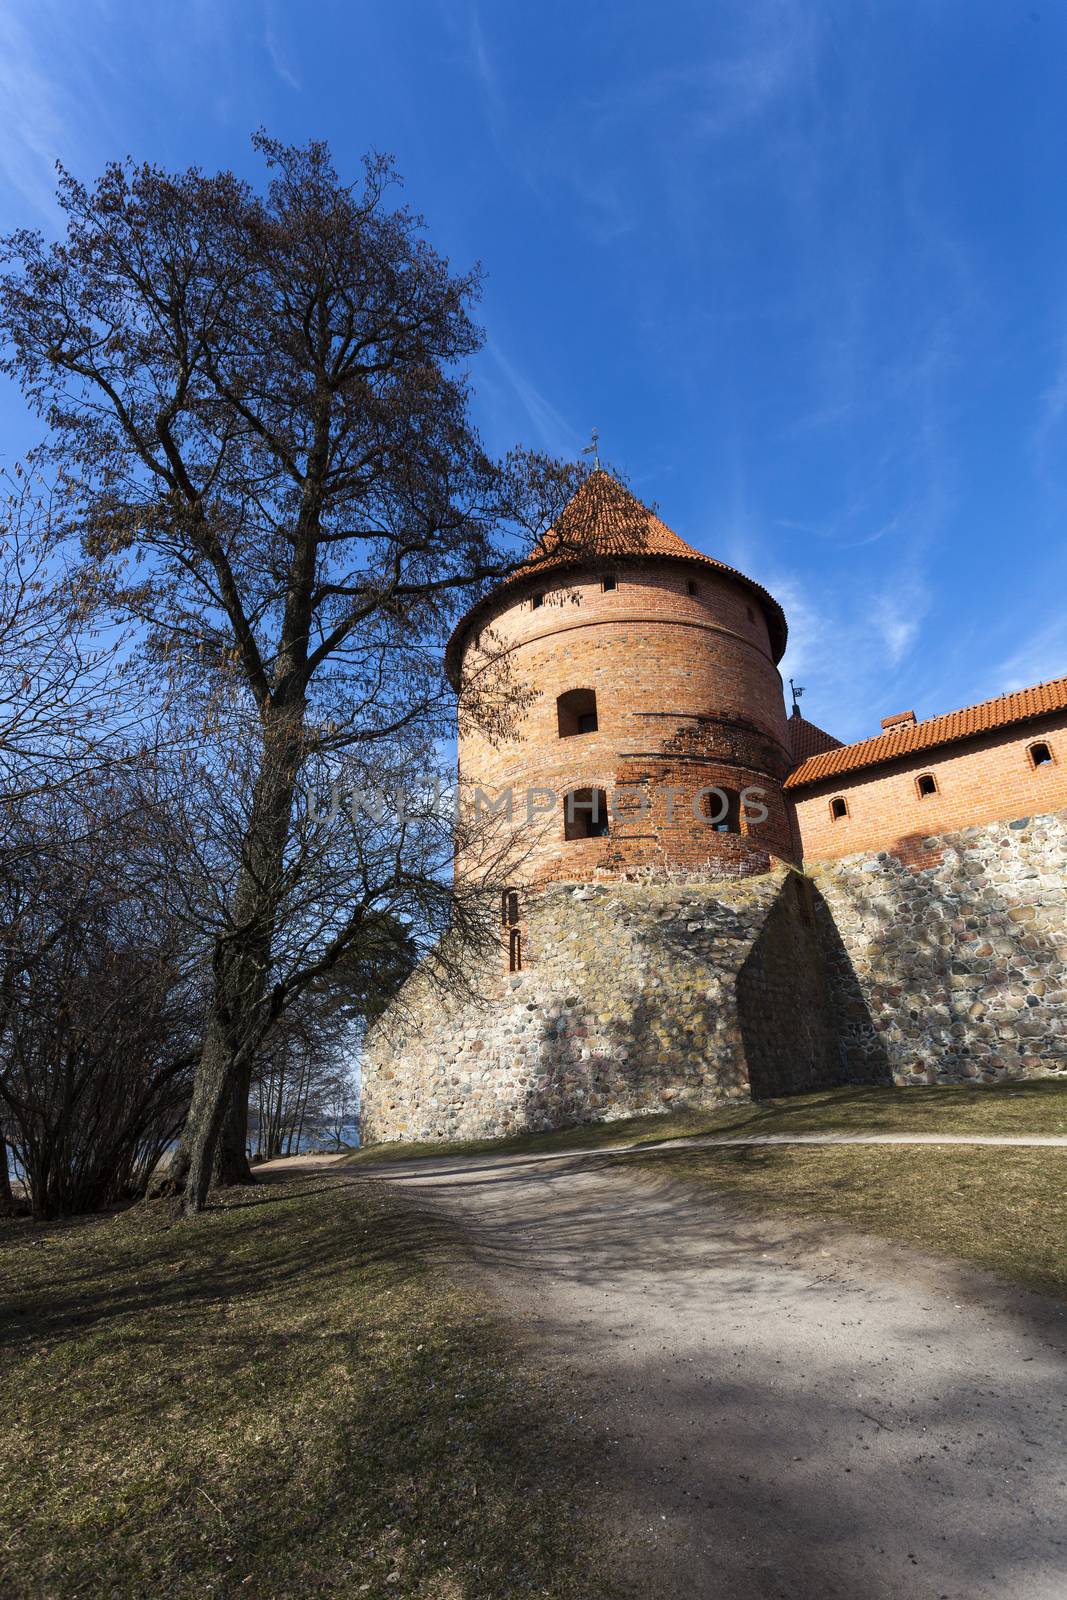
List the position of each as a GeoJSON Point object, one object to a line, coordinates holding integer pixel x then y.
{"type": "Point", "coordinates": [656, 949]}
{"type": "Point", "coordinates": [655, 734]}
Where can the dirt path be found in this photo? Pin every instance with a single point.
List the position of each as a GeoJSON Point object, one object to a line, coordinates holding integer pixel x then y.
{"type": "Point", "coordinates": [789, 1414]}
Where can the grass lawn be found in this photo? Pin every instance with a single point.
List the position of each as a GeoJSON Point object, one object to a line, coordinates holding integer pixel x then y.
{"type": "Point", "coordinates": [1002, 1209]}
{"type": "Point", "coordinates": [298, 1392]}
{"type": "Point", "coordinates": [1036, 1107]}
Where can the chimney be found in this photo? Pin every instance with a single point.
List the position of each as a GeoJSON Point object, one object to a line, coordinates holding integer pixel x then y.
{"type": "Point", "coordinates": [903, 719]}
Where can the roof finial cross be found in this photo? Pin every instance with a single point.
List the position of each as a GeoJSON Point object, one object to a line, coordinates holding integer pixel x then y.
{"type": "Point", "coordinates": [593, 449]}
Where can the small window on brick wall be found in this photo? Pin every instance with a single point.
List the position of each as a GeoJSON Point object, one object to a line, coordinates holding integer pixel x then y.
{"type": "Point", "coordinates": [514, 950]}
{"type": "Point", "coordinates": [926, 785]}
{"type": "Point", "coordinates": [692, 588]}
{"type": "Point", "coordinates": [838, 808]}
{"type": "Point", "coordinates": [576, 712]}
{"type": "Point", "coordinates": [722, 807]}
{"type": "Point", "coordinates": [1040, 754]}
{"type": "Point", "coordinates": [585, 814]}
{"type": "Point", "coordinates": [609, 584]}
{"type": "Point", "coordinates": [536, 600]}
{"type": "Point", "coordinates": [509, 907]}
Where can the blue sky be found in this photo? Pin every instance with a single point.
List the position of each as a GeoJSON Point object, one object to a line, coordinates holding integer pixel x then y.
{"type": "Point", "coordinates": [803, 264]}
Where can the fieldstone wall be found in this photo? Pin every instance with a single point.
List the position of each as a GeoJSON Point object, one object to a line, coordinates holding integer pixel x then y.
{"type": "Point", "coordinates": [634, 997]}
{"type": "Point", "coordinates": [950, 963]}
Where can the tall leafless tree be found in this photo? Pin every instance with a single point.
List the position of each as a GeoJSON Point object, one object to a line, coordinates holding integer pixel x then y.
{"type": "Point", "coordinates": [261, 398]}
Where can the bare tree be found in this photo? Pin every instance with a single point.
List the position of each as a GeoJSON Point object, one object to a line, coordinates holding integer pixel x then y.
{"type": "Point", "coordinates": [63, 714]}
{"type": "Point", "coordinates": [101, 997]}
{"type": "Point", "coordinates": [264, 397]}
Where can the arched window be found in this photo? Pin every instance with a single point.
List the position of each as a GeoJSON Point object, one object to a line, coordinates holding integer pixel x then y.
{"type": "Point", "coordinates": [1040, 754]}
{"type": "Point", "coordinates": [514, 950]}
{"type": "Point", "coordinates": [722, 807]}
{"type": "Point", "coordinates": [509, 907]}
{"type": "Point", "coordinates": [585, 814]}
{"type": "Point", "coordinates": [576, 711]}
{"type": "Point", "coordinates": [838, 808]}
{"type": "Point", "coordinates": [926, 785]}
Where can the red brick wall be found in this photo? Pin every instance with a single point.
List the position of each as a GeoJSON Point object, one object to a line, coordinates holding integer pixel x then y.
{"type": "Point", "coordinates": [688, 696]}
{"type": "Point", "coordinates": [988, 779]}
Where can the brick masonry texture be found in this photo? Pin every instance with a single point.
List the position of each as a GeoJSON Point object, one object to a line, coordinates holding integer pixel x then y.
{"type": "Point", "coordinates": [637, 997]}
{"type": "Point", "coordinates": [958, 970]}
{"type": "Point", "coordinates": [687, 696]}
{"type": "Point", "coordinates": [978, 780]}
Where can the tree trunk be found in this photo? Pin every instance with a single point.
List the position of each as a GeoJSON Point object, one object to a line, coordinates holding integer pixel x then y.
{"type": "Point", "coordinates": [231, 1158]}
{"type": "Point", "coordinates": [236, 1014]}
{"type": "Point", "coordinates": [207, 1115]}
{"type": "Point", "coordinates": [7, 1199]}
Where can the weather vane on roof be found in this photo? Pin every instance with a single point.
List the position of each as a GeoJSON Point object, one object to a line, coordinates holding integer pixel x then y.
{"type": "Point", "coordinates": [593, 449]}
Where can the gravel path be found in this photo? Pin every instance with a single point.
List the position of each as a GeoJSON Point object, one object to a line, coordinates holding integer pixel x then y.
{"type": "Point", "coordinates": [788, 1411]}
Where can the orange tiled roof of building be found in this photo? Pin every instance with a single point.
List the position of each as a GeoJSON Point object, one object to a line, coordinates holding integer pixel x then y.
{"type": "Point", "coordinates": [601, 522]}
{"type": "Point", "coordinates": [1019, 706]}
{"type": "Point", "coordinates": [806, 739]}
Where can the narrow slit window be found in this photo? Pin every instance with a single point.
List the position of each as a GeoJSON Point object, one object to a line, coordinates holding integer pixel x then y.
{"type": "Point", "coordinates": [692, 587]}
{"type": "Point", "coordinates": [609, 584]}
{"type": "Point", "coordinates": [926, 785]}
{"type": "Point", "coordinates": [585, 814]}
{"type": "Point", "coordinates": [514, 950]}
{"type": "Point", "coordinates": [576, 712]}
{"type": "Point", "coordinates": [751, 614]}
{"type": "Point", "coordinates": [1040, 754]}
{"type": "Point", "coordinates": [510, 907]}
{"type": "Point", "coordinates": [838, 808]}
{"type": "Point", "coordinates": [536, 600]}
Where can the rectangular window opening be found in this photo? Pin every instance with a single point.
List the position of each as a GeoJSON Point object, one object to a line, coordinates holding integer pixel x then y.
{"type": "Point", "coordinates": [585, 814]}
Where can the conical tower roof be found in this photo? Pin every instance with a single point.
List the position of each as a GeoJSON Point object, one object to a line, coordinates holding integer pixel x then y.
{"type": "Point", "coordinates": [604, 523]}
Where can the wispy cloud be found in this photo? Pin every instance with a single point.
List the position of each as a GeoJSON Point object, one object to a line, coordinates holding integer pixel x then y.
{"type": "Point", "coordinates": [279, 59]}
{"type": "Point", "coordinates": [1052, 413]}
{"type": "Point", "coordinates": [1043, 656]}
{"type": "Point", "coordinates": [853, 658]}
{"type": "Point", "coordinates": [40, 119]}
{"type": "Point", "coordinates": [553, 431]}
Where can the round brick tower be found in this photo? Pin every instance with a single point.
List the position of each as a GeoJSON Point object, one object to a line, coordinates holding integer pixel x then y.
{"type": "Point", "coordinates": [654, 737]}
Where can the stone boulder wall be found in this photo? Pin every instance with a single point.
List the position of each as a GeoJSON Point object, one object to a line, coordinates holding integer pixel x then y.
{"type": "Point", "coordinates": [949, 963]}
{"type": "Point", "coordinates": [635, 997]}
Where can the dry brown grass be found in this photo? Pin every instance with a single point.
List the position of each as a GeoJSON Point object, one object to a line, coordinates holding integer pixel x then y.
{"type": "Point", "coordinates": [299, 1392]}
{"type": "Point", "coordinates": [1002, 1209]}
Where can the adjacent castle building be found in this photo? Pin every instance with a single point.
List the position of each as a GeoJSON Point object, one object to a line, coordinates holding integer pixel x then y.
{"type": "Point", "coordinates": [706, 897]}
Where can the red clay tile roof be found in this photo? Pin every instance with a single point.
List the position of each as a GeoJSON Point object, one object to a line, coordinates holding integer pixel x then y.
{"type": "Point", "coordinates": [806, 739]}
{"type": "Point", "coordinates": [604, 522]}
{"type": "Point", "coordinates": [1019, 706]}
